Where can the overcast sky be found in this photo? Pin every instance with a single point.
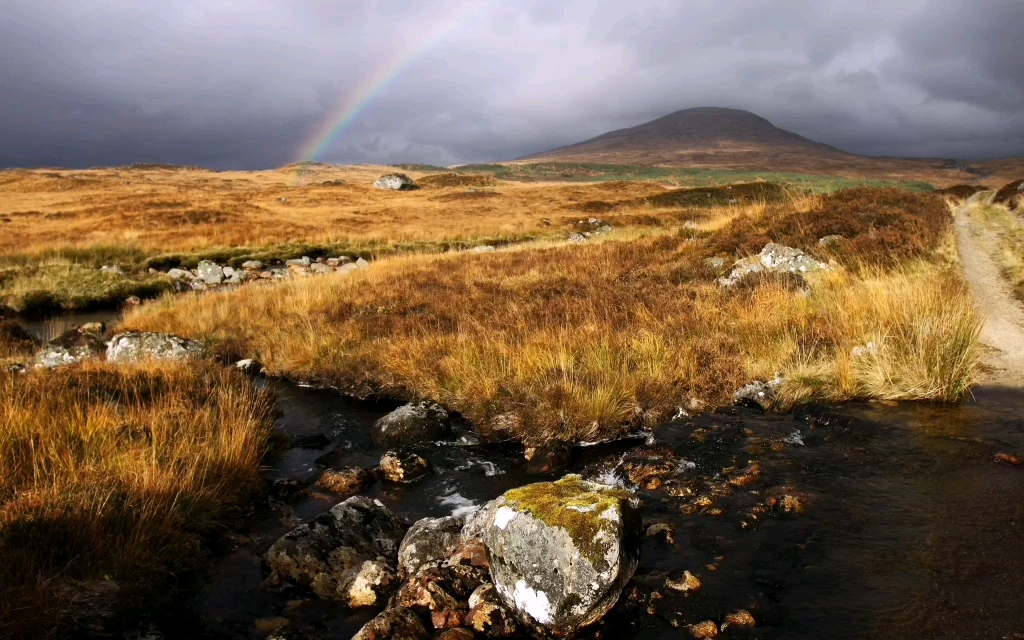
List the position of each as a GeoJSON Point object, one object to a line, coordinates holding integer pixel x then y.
{"type": "Point", "coordinates": [256, 83]}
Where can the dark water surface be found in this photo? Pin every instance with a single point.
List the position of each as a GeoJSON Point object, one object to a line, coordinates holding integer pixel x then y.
{"type": "Point", "coordinates": [909, 527]}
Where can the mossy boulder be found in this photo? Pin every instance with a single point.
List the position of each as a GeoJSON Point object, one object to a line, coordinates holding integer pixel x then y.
{"type": "Point", "coordinates": [561, 552]}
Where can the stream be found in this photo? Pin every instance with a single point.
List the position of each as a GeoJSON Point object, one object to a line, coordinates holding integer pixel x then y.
{"type": "Point", "coordinates": [907, 526]}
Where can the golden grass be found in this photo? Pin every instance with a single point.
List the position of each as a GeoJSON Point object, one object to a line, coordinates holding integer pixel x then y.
{"type": "Point", "coordinates": [583, 342]}
{"type": "Point", "coordinates": [108, 478]}
{"type": "Point", "coordinates": [159, 210]}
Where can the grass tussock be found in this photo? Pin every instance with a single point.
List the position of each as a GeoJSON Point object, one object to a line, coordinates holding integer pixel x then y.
{"type": "Point", "coordinates": [1010, 196]}
{"type": "Point", "coordinates": [109, 476]}
{"type": "Point", "coordinates": [582, 342]}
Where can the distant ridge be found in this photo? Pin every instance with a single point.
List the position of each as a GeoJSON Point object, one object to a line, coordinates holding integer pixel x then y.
{"type": "Point", "coordinates": [721, 138]}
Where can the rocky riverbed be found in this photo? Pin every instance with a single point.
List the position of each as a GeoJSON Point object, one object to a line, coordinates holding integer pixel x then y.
{"type": "Point", "coordinates": [844, 522]}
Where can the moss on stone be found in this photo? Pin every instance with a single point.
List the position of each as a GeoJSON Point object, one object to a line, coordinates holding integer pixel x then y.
{"type": "Point", "coordinates": [575, 506]}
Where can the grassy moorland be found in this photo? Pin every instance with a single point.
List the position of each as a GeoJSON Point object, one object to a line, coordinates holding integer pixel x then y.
{"type": "Point", "coordinates": [60, 227]}
{"type": "Point", "coordinates": [109, 478]}
{"type": "Point", "coordinates": [576, 342]}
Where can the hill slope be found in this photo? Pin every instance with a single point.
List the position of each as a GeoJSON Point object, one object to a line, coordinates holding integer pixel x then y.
{"type": "Point", "coordinates": [734, 139]}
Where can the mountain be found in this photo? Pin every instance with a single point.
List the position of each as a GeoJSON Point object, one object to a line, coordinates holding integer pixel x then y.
{"type": "Point", "coordinates": [715, 137]}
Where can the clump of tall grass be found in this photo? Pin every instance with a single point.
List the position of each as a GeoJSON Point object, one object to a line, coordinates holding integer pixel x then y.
{"type": "Point", "coordinates": [583, 342]}
{"type": "Point", "coordinates": [109, 476]}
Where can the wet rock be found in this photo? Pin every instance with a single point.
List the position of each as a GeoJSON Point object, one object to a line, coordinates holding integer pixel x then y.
{"type": "Point", "coordinates": [292, 634]}
{"type": "Point", "coordinates": [285, 489]}
{"type": "Point", "coordinates": [774, 258]}
{"type": "Point", "coordinates": [561, 552]}
{"type": "Point", "coordinates": [346, 482]}
{"type": "Point", "coordinates": [706, 629]}
{"type": "Point", "coordinates": [210, 272]}
{"type": "Point", "coordinates": [1006, 458]}
{"type": "Point", "coordinates": [761, 394]}
{"type": "Point", "coordinates": [346, 553]}
{"type": "Point", "coordinates": [411, 424]}
{"type": "Point", "coordinates": [746, 476]}
{"type": "Point", "coordinates": [403, 467]}
{"type": "Point", "coordinates": [552, 457]}
{"type": "Point", "coordinates": [649, 468]}
{"type": "Point", "coordinates": [374, 581]}
{"type": "Point", "coordinates": [270, 625]}
{"type": "Point", "coordinates": [428, 541]}
{"type": "Point", "coordinates": [473, 554]}
{"type": "Point", "coordinates": [685, 583]}
{"type": "Point", "coordinates": [70, 347]}
{"type": "Point", "coordinates": [395, 182]}
{"type": "Point", "coordinates": [664, 529]}
{"type": "Point", "coordinates": [488, 615]}
{"type": "Point", "coordinates": [448, 619]}
{"type": "Point", "coordinates": [437, 587]}
{"type": "Point", "coordinates": [477, 523]}
{"type": "Point", "coordinates": [786, 503]}
{"type": "Point", "coordinates": [739, 619]}
{"type": "Point", "coordinates": [457, 634]}
{"type": "Point", "coordinates": [135, 345]}
{"type": "Point", "coordinates": [394, 624]}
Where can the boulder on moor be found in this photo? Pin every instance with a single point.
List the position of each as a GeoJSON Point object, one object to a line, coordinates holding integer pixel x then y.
{"type": "Point", "coordinates": [411, 424]}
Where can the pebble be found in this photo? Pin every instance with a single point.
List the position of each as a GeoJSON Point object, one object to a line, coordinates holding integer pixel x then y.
{"type": "Point", "coordinates": [706, 629]}
{"type": "Point", "coordinates": [688, 583]}
{"type": "Point", "coordinates": [270, 625]}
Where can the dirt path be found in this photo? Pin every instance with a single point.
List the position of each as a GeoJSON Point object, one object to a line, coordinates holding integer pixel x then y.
{"type": "Point", "coordinates": [1003, 331]}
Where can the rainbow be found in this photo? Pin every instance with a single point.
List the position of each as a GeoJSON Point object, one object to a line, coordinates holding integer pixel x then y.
{"type": "Point", "coordinates": [357, 100]}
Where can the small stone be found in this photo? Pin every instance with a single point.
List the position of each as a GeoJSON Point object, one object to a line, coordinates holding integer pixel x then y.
{"type": "Point", "coordinates": [830, 241]}
{"type": "Point", "coordinates": [270, 625]}
{"type": "Point", "coordinates": [393, 624]}
{"type": "Point", "coordinates": [321, 269]}
{"type": "Point", "coordinates": [403, 468]}
{"type": "Point", "coordinates": [687, 583]}
{"type": "Point", "coordinates": [372, 584]}
{"type": "Point", "coordinates": [488, 615]}
{"type": "Point", "coordinates": [486, 248]}
{"type": "Point", "coordinates": [577, 238]}
{"type": "Point", "coordinates": [252, 265]}
{"type": "Point", "coordinates": [549, 458]}
{"type": "Point", "coordinates": [179, 274]}
{"type": "Point", "coordinates": [347, 268]}
{"type": "Point", "coordinates": [132, 301]}
{"type": "Point", "coordinates": [747, 476]}
{"type": "Point", "coordinates": [741, 618]}
{"type": "Point", "coordinates": [210, 272]}
{"type": "Point", "coordinates": [136, 345]}
{"type": "Point", "coordinates": [345, 482]}
{"type": "Point", "coordinates": [448, 619]}
{"type": "Point", "coordinates": [457, 634]}
{"type": "Point", "coordinates": [706, 629]}
{"type": "Point", "coordinates": [662, 528]}
{"type": "Point", "coordinates": [266, 275]}
{"type": "Point", "coordinates": [361, 263]}
{"type": "Point", "coordinates": [249, 366]}
{"type": "Point", "coordinates": [1006, 458]}
{"type": "Point", "coordinates": [333, 262]}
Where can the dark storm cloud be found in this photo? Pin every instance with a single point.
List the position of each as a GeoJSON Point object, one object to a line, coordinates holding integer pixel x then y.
{"type": "Point", "coordinates": [249, 83]}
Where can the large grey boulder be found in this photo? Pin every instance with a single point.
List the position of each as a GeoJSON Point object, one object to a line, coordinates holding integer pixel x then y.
{"type": "Point", "coordinates": [561, 552]}
{"type": "Point", "coordinates": [210, 272]}
{"type": "Point", "coordinates": [140, 345]}
{"type": "Point", "coordinates": [347, 553]}
{"type": "Point", "coordinates": [395, 182]}
{"type": "Point", "coordinates": [70, 347]}
{"type": "Point", "coordinates": [774, 258]}
{"type": "Point", "coordinates": [429, 540]}
{"type": "Point", "coordinates": [411, 424]}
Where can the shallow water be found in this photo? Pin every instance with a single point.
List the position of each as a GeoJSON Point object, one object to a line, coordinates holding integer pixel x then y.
{"type": "Point", "coordinates": [909, 528]}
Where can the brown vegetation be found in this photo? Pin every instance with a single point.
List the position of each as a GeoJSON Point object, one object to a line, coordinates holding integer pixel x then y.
{"type": "Point", "coordinates": [961, 191]}
{"type": "Point", "coordinates": [109, 476]}
{"type": "Point", "coordinates": [1011, 195]}
{"type": "Point", "coordinates": [582, 342]}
